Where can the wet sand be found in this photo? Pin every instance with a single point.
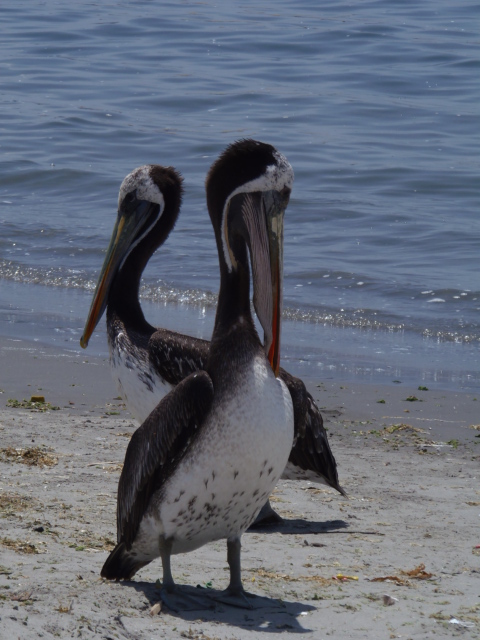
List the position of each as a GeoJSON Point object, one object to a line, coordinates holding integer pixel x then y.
{"type": "Point", "coordinates": [398, 558]}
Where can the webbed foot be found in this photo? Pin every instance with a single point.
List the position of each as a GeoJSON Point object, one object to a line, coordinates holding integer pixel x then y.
{"type": "Point", "coordinates": [237, 598]}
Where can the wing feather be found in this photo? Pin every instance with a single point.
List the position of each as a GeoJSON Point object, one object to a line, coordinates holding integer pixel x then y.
{"type": "Point", "coordinates": [155, 448]}
{"type": "Point", "coordinates": [176, 356]}
{"type": "Point", "coordinates": [311, 449]}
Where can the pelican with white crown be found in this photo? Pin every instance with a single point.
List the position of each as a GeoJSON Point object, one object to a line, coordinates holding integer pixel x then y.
{"type": "Point", "coordinates": [147, 362]}
{"type": "Point", "coordinates": [205, 460]}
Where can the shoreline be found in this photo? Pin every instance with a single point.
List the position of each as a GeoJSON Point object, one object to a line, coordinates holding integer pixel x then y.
{"type": "Point", "coordinates": [35, 368]}
{"type": "Point", "coordinates": [406, 536]}
{"type": "Point", "coordinates": [55, 316]}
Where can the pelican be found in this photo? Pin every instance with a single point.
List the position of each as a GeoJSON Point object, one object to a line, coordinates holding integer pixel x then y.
{"type": "Point", "coordinates": [205, 460]}
{"type": "Point", "coordinates": [146, 362]}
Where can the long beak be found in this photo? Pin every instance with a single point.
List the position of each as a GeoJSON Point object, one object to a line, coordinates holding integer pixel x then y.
{"type": "Point", "coordinates": [266, 251]}
{"type": "Point", "coordinates": [116, 252]}
{"type": "Point", "coordinates": [127, 232]}
{"type": "Point", "coordinates": [276, 271]}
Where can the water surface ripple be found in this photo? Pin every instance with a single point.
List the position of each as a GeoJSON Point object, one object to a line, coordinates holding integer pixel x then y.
{"type": "Point", "coordinates": [376, 105]}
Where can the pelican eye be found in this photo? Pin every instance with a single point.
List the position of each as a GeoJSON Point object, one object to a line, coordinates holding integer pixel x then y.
{"type": "Point", "coordinates": [130, 200]}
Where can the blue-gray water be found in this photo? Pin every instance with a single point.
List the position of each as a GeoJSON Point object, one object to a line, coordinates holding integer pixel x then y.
{"type": "Point", "coordinates": [375, 104]}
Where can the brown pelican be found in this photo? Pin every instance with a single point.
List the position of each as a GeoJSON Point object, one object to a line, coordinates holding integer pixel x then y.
{"type": "Point", "coordinates": [147, 363]}
{"type": "Point", "coordinates": [205, 460]}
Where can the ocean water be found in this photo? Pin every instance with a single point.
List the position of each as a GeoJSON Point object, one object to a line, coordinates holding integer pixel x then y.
{"type": "Point", "coordinates": [376, 106]}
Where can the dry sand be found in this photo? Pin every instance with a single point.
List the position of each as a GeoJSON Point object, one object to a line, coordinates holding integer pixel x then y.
{"type": "Point", "coordinates": [405, 541]}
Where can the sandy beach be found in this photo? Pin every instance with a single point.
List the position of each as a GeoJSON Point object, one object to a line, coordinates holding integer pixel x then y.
{"type": "Point", "coordinates": [398, 558]}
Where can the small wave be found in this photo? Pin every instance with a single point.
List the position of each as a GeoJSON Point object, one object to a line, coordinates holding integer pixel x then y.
{"type": "Point", "coordinates": [163, 293]}
{"type": "Point", "coordinates": [53, 277]}
{"type": "Point", "coordinates": [167, 294]}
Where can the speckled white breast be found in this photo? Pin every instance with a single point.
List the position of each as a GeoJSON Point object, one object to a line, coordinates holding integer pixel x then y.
{"type": "Point", "coordinates": [228, 474]}
{"type": "Point", "coordinates": [137, 381]}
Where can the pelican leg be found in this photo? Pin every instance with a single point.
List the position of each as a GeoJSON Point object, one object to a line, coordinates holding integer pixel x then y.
{"type": "Point", "coordinates": [165, 546]}
{"type": "Point", "coordinates": [234, 547]}
{"type": "Point", "coordinates": [168, 584]}
{"type": "Point", "coordinates": [169, 593]}
{"type": "Point", "coordinates": [266, 517]}
{"type": "Point", "coordinates": [235, 595]}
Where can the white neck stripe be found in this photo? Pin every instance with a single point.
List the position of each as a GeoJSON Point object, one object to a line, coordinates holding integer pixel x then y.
{"type": "Point", "coordinates": [276, 177]}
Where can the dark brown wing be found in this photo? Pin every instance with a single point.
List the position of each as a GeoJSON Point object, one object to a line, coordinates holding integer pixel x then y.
{"type": "Point", "coordinates": [156, 448]}
{"type": "Point", "coordinates": [311, 450]}
{"type": "Point", "coordinates": [299, 394]}
{"type": "Point", "coordinates": [175, 356]}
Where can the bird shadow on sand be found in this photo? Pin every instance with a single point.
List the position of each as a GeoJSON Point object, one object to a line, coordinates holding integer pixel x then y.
{"type": "Point", "coordinates": [269, 615]}
{"type": "Point", "coordinates": [300, 526]}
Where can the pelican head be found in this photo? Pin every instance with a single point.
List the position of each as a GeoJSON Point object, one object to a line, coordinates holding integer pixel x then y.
{"type": "Point", "coordinates": [148, 205]}
{"type": "Point", "coordinates": [248, 189]}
